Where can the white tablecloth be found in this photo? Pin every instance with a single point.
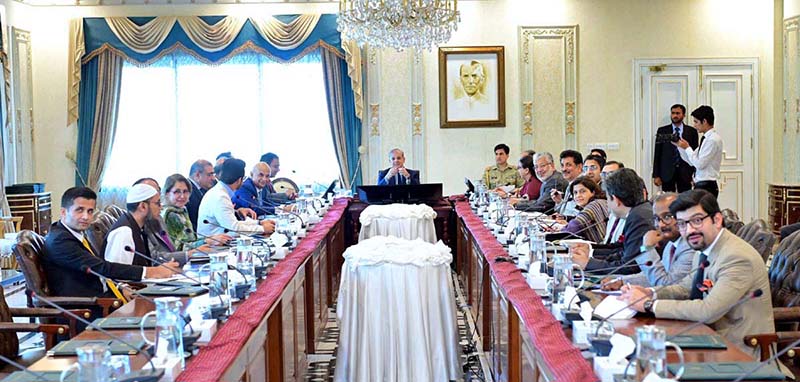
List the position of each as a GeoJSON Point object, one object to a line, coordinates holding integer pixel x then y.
{"type": "Point", "coordinates": [407, 221]}
{"type": "Point", "coordinates": [397, 313]}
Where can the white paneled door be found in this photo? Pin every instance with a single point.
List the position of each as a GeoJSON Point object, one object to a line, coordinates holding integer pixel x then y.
{"type": "Point", "coordinates": [728, 86]}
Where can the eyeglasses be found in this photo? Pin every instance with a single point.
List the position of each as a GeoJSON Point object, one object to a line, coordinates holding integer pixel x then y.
{"type": "Point", "coordinates": [157, 203]}
{"type": "Point", "coordinates": [591, 168]}
{"type": "Point", "coordinates": [180, 192]}
{"type": "Point", "coordinates": [696, 222]}
{"type": "Point", "coordinates": [667, 219]}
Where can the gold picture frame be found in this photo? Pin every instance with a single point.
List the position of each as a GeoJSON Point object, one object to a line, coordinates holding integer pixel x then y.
{"type": "Point", "coordinates": [472, 86]}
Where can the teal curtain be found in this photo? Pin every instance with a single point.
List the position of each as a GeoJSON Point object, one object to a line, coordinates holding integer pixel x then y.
{"type": "Point", "coordinates": [86, 105]}
{"type": "Point", "coordinates": [345, 125]}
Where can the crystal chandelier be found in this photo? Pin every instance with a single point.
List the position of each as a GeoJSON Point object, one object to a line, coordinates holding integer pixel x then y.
{"type": "Point", "coordinates": [398, 24]}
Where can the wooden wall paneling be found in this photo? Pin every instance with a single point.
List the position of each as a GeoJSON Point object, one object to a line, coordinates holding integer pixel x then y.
{"type": "Point", "coordinates": [301, 315]}
{"type": "Point", "coordinates": [274, 345]}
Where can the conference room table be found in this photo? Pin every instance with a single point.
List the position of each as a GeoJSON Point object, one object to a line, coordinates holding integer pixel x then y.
{"type": "Point", "coordinates": [269, 334]}
{"type": "Point", "coordinates": [520, 336]}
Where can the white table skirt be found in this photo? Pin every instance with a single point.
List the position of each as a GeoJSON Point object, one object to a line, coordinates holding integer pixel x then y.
{"type": "Point", "coordinates": [397, 315]}
{"type": "Point", "coordinates": [407, 221]}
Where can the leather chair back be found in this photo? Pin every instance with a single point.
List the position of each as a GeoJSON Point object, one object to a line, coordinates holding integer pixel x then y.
{"type": "Point", "coordinates": [96, 234]}
{"type": "Point", "coordinates": [784, 273]}
{"type": "Point", "coordinates": [759, 236]}
{"type": "Point", "coordinates": [29, 251]}
{"type": "Point", "coordinates": [9, 343]}
{"type": "Point", "coordinates": [115, 211]}
{"type": "Point", "coordinates": [731, 221]}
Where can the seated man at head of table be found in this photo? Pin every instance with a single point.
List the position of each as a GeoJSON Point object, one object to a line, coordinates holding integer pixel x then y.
{"type": "Point", "coordinates": [676, 257]}
{"type": "Point", "coordinates": [501, 173]}
{"type": "Point", "coordinates": [711, 294]}
{"type": "Point", "coordinates": [250, 194]}
{"type": "Point", "coordinates": [398, 174]}
{"type": "Point", "coordinates": [69, 253]}
{"type": "Point", "coordinates": [551, 180]}
{"type": "Point", "coordinates": [271, 196]}
{"type": "Point", "coordinates": [217, 214]}
{"type": "Point", "coordinates": [625, 198]}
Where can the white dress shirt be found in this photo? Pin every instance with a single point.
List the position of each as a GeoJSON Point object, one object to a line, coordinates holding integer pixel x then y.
{"type": "Point", "coordinates": [707, 159]}
{"type": "Point", "coordinates": [217, 208]}
{"type": "Point", "coordinates": [116, 242]}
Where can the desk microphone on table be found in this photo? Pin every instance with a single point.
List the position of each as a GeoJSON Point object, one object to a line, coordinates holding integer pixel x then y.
{"type": "Point", "coordinates": [204, 237]}
{"type": "Point", "coordinates": [626, 264]}
{"type": "Point", "coordinates": [754, 294]}
{"type": "Point", "coordinates": [260, 270]}
{"type": "Point", "coordinates": [152, 375]}
{"type": "Point", "coordinates": [577, 234]}
{"type": "Point", "coordinates": [226, 230]}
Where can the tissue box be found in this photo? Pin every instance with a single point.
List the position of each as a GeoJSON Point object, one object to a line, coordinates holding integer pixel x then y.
{"type": "Point", "coordinates": [605, 369]}
{"type": "Point", "coordinates": [581, 330]}
{"type": "Point", "coordinates": [537, 281]}
{"type": "Point", "coordinates": [172, 367]}
{"type": "Point", "coordinates": [207, 328]}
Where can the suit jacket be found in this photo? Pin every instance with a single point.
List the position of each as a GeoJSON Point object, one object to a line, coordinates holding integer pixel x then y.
{"type": "Point", "coordinates": [637, 223]}
{"type": "Point", "coordinates": [65, 261]}
{"type": "Point", "coordinates": [247, 196]}
{"type": "Point", "coordinates": [735, 269]}
{"type": "Point", "coordinates": [270, 197]}
{"type": "Point", "coordinates": [664, 152]}
{"type": "Point", "coordinates": [665, 270]}
{"type": "Point", "coordinates": [413, 179]}
{"type": "Point", "coordinates": [194, 203]}
{"type": "Point", "coordinates": [545, 203]}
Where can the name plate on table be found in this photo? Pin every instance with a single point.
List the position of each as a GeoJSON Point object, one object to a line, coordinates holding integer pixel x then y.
{"type": "Point", "coordinates": [688, 341]}
{"type": "Point", "coordinates": [124, 323]}
{"type": "Point", "coordinates": [727, 371]}
{"type": "Point", "coordinates": [172, 290]}
{"type": "Point", "coordinates": [67, 348]}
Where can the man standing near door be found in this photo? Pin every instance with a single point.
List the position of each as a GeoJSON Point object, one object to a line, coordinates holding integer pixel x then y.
{"type": "Point", "coordinates": [670, 171]}
{"type": "Point", "coordinates": [707, 159]}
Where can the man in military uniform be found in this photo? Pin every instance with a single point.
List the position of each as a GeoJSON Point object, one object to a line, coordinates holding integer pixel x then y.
{"type": "Point", "coordinates": [501, 174]}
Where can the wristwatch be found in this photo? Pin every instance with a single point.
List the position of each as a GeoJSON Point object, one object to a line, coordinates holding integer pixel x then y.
{"type": "Point", "coordinates": [648, 305]}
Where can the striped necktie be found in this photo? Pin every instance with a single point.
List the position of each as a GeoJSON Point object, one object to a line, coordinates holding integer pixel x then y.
{"type": "Point", "coordinates": [111, 284]}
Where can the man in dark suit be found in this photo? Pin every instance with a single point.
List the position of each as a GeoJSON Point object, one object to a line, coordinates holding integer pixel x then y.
{"type": "Point", "coordinates": [670, 171]}
{"type": "Point", "coordinates": [251, 193]}
{"type": "Point", "coordinates": [551, 179]}
{"type": "Point", "coordinates": [68, 253]}
{"type": "Point", "coordinates": [202, 177]}
{"type": "Point", "coordinates": [626, 200]}
{"type": "Point", "coordinates": [397, 174]}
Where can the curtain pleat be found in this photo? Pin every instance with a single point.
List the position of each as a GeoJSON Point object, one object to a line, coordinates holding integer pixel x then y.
{"type": "Point", "coordinates": [345, 126]}
{"type": "Point", "coordinates": [212, 38]}
{"type": "Point", "coordinates": [5, 112]}
{"type": "Point", "coordinates": [77, 48]}
{"type": "Point", "coordinates": [353, 57]}
{"type": "Point", "coordinates": [96, 135]}
{"type": "Point", "coordinates": [141, 39]}
{"type": "Point", "coordinates": [286, 36]}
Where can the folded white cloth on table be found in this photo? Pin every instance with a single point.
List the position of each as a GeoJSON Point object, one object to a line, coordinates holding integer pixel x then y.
{"type": "Point", "coordinates": [394, 250]}
{"type": "Point", "coordinates": [396, 211]}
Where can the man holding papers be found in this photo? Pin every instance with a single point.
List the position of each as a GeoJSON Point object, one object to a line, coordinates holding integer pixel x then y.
{"type": "Point", "coordinates": [712, 294]}
{"type": "Point", "coordinates": [676, 259]}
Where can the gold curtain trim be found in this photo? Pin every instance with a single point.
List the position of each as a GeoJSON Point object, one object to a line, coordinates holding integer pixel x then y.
{"type": "Point", "coordinates": [286, 36]}
{"type": "Point", "coordinates": [248, 46]}
{"type": "Point", "coordinates": [352, 55]}
{"type": "Point", "coordinates": [142, 39]}
{"type": "Point", "coordinates": [212, 38]}
{"type": "Point", "coordinates": [77, 49]}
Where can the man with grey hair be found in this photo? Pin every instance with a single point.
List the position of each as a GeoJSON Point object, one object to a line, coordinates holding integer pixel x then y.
{"type": "Point", "coordinates": [676, 257]}
{"type": "Point", "coordinates": [249, 195]}
{"type": "Point", "coordinates": [551, 180]}
{"type": "Point", "coordinates": [398, 174]}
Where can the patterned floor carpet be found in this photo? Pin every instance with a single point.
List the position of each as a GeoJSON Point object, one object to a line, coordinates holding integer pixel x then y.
{"type": "Point", "coordinates": [321, 365]}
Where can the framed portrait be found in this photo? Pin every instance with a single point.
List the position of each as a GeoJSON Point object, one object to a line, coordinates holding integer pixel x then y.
{"type": "Point", "coordinates": [472, 87]}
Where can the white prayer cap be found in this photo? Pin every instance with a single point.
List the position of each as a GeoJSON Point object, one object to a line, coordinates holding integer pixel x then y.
{"type": "Point", "coordinates": [140, 192]}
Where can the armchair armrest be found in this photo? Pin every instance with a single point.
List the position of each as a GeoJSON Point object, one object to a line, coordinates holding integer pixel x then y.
{"type": "Point", "coordinates": [106, 303]}
{"type": "Point", "coordinates": [53, 313]}
{"type": "Point", "coordinates": [764, 342]}
{"type": "Point", "coordinates": [49, 331]}
{"type": "Point", "coordinates": [783, 314]}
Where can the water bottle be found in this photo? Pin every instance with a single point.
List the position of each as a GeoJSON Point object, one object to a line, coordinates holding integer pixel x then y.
{"type": "Point", "coordinates": [563, 277]}
{"type": "Point", "coordinates": [244, 260]}
{"type": "Point", "coordinates": [283, 223]}
{"type": "Point", "coordinates": [93, 364]}
{"type": "Point", "coordinates": [538, 244]}
{"type": "Point", "coordinates": [168, 342]}
{"type": "Point", "coordinates": [651, 353]}
{"type": "Point", "coordinates": [219, 291]}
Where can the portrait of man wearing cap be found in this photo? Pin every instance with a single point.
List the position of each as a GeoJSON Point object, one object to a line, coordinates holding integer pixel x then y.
{"type": "Point", "coordinates": [143, 202]}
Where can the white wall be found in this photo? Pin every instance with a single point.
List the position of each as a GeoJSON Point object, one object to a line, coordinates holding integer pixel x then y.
{"type": "Point", "coordinates": [611, 34]}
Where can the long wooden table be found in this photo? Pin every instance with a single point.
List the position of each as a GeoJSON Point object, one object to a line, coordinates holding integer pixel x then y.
{"type": "Point", "coordinates": [268, 336]}
{"type": "Point", "coordinates": [503, 322]}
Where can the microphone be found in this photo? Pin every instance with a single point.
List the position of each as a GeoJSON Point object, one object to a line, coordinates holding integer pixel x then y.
{"type": "Point", "coordinates": [255, 206]}
{"type": "Point", "coordinates": [189, 231]}
{"type": "Point", "coordinates": [39, 376]}
{"type": "Point", "coordinates": [576, 234]}
{"type": "Point", "coordinates": [755, 294]}
{"type": "Point", "coordinates": [702, 265]}
{"type": "Point", "coordinates": [251, 235]}
{"type": "Point", "coordinates": [625, 265]}
{"type": "Point", "coordinates": [152, 375]}
{"type": "Point", "coordinates": [252, 205]}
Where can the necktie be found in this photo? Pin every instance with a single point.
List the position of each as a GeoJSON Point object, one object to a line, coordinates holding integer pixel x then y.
{"type": "Point", "coordinates": [695, 293]}
{"type": "Point", "coordinates": [671, 256]}
{"type": "Point", "coordinates": [701, 142]}
{"type": "Point", "coordinates": [397, 179]}
{"type": "Point", "coordinates": [676, 156]}
{"type": "Point", "coordinates": [111, 285]}
{"type": "Point", "coordinates": [611, 234]}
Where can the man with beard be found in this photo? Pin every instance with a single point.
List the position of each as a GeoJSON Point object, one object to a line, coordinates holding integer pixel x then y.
{"type": "Point", "coordinates": [551, 180]}
{"type": "Point", "coordinates": [670, 171]}
{"type": "Point", "coordinates": [676, 258]}
{"type": "Point", "coordinates": [712, 294]}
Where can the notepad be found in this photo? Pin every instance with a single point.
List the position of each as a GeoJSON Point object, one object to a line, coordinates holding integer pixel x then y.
{"type": "Point", "coordinates": [688, 341]}
{"type": "Point", "coordinates": [611, 305]}
{"type": "Point", "coordinates": [726, 371]}
{"type": "Point", "coordinates": [119, 323]}
{"type": "Point", "coordinates": [172, 290]}
{"type": "Point", "coordinates": [67, 348]}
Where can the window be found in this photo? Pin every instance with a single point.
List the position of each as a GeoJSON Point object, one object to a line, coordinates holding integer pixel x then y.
{"type": "Point", "coordinates": [179, 110]}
